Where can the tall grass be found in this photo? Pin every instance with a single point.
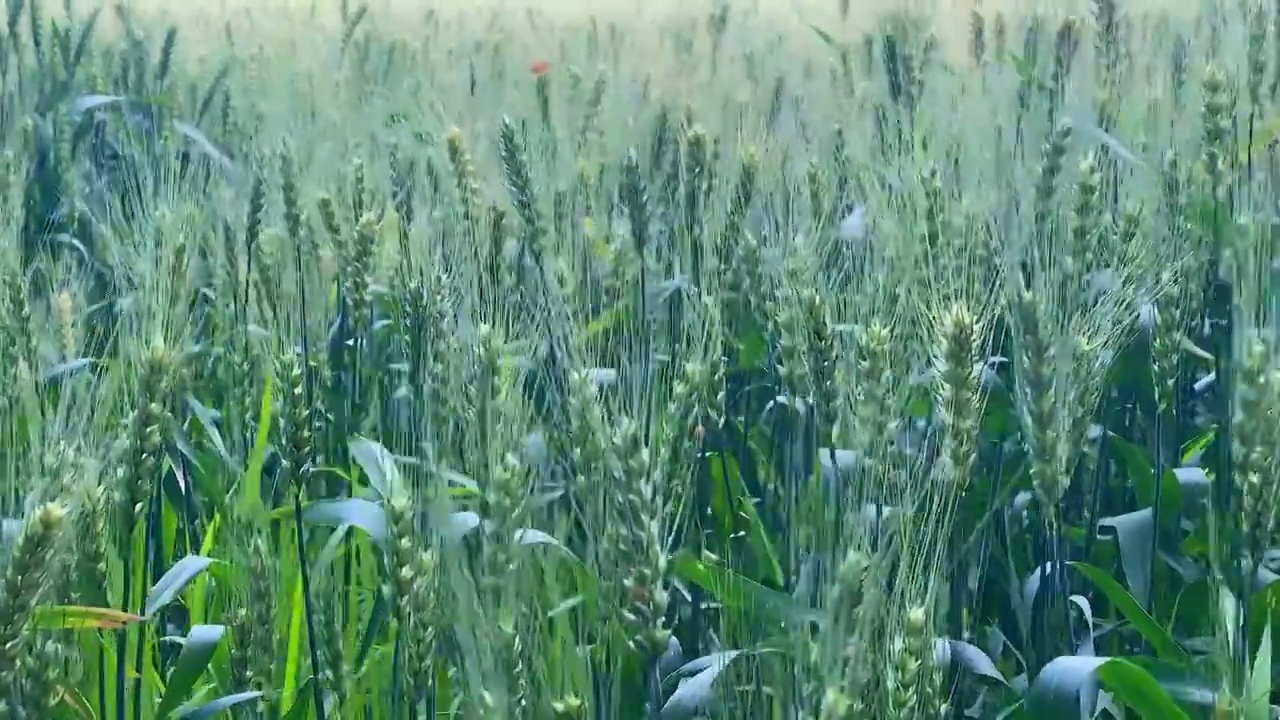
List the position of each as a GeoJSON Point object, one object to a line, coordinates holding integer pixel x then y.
{"type": "Point", "coordinates": [748, 363]}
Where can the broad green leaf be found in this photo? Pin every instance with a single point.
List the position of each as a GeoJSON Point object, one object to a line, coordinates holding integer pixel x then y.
{"type": "Point", "coordinates": [212, 709]}
{"type": "Point", "coordinates": [1165, 646]}
{"type": "Point", "coordinates": [201, 643]}
{"type": "Point", "coordinates": [1258, 703]}
{"type": "Point", "coordinates": [1138, 466]}
{"type": "Point", "coordinates": [735, 591]}
{"type": "Point", "coordinates": [378, 465]}
{"type": "Point", "coordinates": [77, 617]}
{"type": "Point", "coordinates": [174, 581]}
{"type": "Point", "coordinates": [697, 693]}
{"type": "Point", "coordinates": [1134, 533]}
{"type": "Point", "coordinates": [357, 512]}
{"type": "Point", "coordinates": [1136, 689]}
{"type": "Point", "coordinates": [1065, 689]}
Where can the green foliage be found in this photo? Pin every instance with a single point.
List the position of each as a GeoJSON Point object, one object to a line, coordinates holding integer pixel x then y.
{"type": "Point", "coordinates": [349, 373]}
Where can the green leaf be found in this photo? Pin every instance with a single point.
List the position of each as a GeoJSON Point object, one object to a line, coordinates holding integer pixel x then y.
{"type": "Point", "coordinates": [1258, 703]}
{"type": "Point", "coordinates": [458, 524]}
{"type": "Point", "coordinates": [968, 657]}
{"type": "Point", "coordinates": [1136, 689]}
{"type": "Point", "coordinates": [216, 706]}
{"type": "Point", "coordinates": [1138, 467]}
{"type": "Point", "coordinates": [825, 37]}
{"type": "Point", "coordinates": [1165, 646]}
{"type": "Point", "coordinates": [205, 416]}
{"type": "Point", "coordinates": [735, 591]}
{"type": "Point", "coordinates": [298, 711]}
{"type": "Point", "coordinates": [1134, 533]}
{"type": "Point", "coordinates": [1065, 689]}
{"type": "Point", "coordinates": [251, 482]}
{"type": "Point", "coordinates": [378, 465]}
{"type": "Point", "coordinates": [696, 693]}
{"type": "Point", "coordinates": [1198, 445]}
{"type": "Point", "coordinates": [357, 512]}
{"type": "Point", "coordinates": [78, 617]}
{"type": "Point", "coordinates": [172, 583]}
{"type": "Point", "coordinates": [201, 644]}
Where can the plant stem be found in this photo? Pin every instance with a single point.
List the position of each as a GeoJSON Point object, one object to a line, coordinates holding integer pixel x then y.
{"type": "Point", "coordinates": [317, 697]}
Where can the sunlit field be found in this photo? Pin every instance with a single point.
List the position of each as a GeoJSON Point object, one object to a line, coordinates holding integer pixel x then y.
{"type": "Point", "coordinates": [570, 360]}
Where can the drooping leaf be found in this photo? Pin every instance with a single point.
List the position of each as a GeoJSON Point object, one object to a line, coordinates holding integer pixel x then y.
{"type": "Point", "coordinates": [1137, 690]}
{"type": "Point", "coordinates": [77, 617]}
{"type": "Point", "coordinates": [378, 465]}
{"type": "Point", "coordinates": [174, 581]}
{"type": "Point", "coordinates": [460, 523]}
{"type": "Point", "coordinates": [205, 416]}
{"type": "Point", "coordinates": [357, 512]}
{"type": "Point", "coordinates": [64, 370]}
{"type": "Point", "coordinates": [214, 707]}
{"type": "Point", "coordinates": [1134, 533]}
{"type": "Point", "coordinates": [533, 536]}
{"type": "Point", "coordinates": [206, 146]}
{"type": "Point", "coordinates": [968, 657]}
{"type": "Point", "coordinates": [201, 644]}
{"type": "Point", "coordinates": [1065, 689]}
{"type": "Point", "coordinates": [697, 693]}
{"type": "Point", "coordinates": [87, 103]}
{"type": "Point", "coordinates": [1165, 646]}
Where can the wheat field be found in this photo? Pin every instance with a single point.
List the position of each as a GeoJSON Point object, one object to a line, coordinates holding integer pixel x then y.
{"type": "Point", "coordinates": [573, 360]}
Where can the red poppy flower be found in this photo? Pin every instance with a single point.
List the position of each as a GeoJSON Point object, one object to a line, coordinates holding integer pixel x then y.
{"type": "Point", "coordinates": [539, 67]}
